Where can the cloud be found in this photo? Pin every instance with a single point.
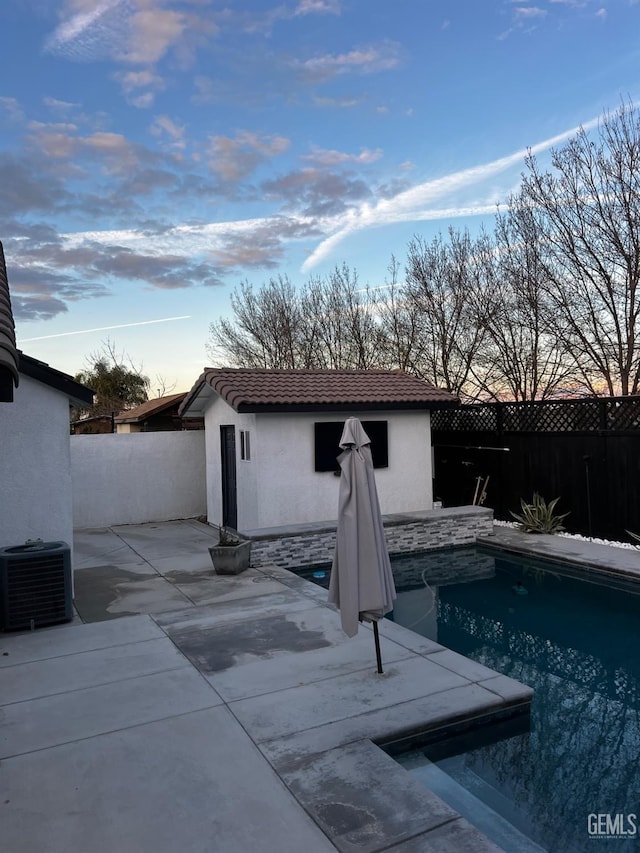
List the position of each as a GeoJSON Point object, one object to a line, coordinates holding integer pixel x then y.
{"type": "Point", "coordinates": [11, 109]}
{"type": "Point", "coordinates": [412, 204]}
{"type": "Point", "coordinates": [163, 127]}
{"type": "Point", "coordinates": [527, 13]}
{"type": "Point", "coordinates": [59, 106]}
{"type": "Point", "coordinates": [133, 32]}
{"type": "Point", "coordinates": [365, 60]}
{"type": "Point", "coordinates": [213, 250]}
{"type": "Point", "coordinates": [235, 158]}
{"type": "Point", "coordinates": [152, 33]}
{"type": "Point", "coordinates": [140, 87]}
{"type": "Point", "coordinates": [318, 7]}
{"type": "Point", "coordinates": [39, 292]}
{"type": "Point", "coordinates": [330, 157]}
{"type": "Point", "coordinates": [31, 308]}
{"type": "Point", "coordinates": [69, 152]}
{"type": "Point", "coordinates": [316, 192]}
{"type": "Point", "coordinates": [164, 271]}
{"type": "Point", "coordinates": [252, 22]}
{"type": "Point", "coordinates": [341, 103]}
{"type": "Point", "coordinates": [24, 188]}
{"type": "Point", "coordinates": [45, 276]}
{"type": "Point", "coordinates": [90, 30]}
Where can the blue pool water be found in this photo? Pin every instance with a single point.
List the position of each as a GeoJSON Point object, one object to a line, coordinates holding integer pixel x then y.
{"type": "Point", "coordinates": [578, 645]}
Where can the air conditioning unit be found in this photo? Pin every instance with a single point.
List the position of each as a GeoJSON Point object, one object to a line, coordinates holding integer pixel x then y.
{"type": "Point", "coordinates": [35, 585]}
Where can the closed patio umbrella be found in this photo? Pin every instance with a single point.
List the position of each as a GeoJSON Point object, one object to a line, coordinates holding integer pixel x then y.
{"type": "Point", "coordinates": [361, 585]}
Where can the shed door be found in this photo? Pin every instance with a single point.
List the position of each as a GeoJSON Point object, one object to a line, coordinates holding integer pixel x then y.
{"type": "Point", "coordinates": [228, 469]}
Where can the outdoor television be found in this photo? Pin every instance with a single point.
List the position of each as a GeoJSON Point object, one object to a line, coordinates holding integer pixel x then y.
{"type": "Point", "coordinates": [327, 443]}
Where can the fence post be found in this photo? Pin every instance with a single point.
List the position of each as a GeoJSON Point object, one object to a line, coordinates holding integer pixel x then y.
{"type": "Point", "coordinates": [602, 404]}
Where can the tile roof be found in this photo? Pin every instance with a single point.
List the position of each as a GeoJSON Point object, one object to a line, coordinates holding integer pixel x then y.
{"type": "Point", "coordinates": [261, 390]}
{"type": "Point", "coordinates": [149, 407]}
{"type": "Point", "coordinates": [9, 356]}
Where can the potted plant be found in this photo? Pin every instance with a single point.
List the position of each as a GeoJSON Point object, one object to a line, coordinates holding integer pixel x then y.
{"type": "Point", "coordinates": [232, 553]}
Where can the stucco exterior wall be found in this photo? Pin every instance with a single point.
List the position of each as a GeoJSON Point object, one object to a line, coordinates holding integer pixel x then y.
{"type": "Point", "coordinates": [35, 473]}
{"type": "Point", "coordinates": [131, 479]}
{"type": "Point", "coordinates": [279, 486]}
{"type": "Point", "coordinates": [291, 492]}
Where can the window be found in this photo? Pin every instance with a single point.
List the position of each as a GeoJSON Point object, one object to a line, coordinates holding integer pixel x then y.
{"type": "Point", "coordinates": [245, 445]}
{"type": "Point", "coordinates": [327, 444]}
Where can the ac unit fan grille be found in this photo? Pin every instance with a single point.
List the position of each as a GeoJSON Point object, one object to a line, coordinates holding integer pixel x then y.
{"type": "Point", "coordinates": [36, 591]}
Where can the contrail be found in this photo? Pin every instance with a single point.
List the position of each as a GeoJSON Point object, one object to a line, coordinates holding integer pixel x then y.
{"type": "Point", "coordinates": [104, 329]}
{"type": "Point", "coordinates": [405, 206]}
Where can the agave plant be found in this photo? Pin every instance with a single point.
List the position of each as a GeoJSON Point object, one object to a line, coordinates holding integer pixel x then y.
{"type": "Point", "coordinates": [635, 536]}
{"type": "Point", "coordinates": [540, 516]}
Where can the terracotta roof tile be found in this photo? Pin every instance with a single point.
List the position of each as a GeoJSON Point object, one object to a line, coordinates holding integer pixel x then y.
{"type": "Point", "coordinates": [254, 390]}
{"type": "Point", "coordinates": [9, 357]}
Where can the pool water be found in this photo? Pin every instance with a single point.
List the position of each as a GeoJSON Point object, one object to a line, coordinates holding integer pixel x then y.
{"type": "Point", "coordinates": [578, 645]}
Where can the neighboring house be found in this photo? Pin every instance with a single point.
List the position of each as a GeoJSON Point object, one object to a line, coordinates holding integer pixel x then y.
{"type": "Point", "coordinates": [35, 467]}
{"type": "Point", "coordinates": [271, 439]}
{"type": "Point", "coordinates": [157, 415]}
{"type": "Point", "coordinates": [93, 425]}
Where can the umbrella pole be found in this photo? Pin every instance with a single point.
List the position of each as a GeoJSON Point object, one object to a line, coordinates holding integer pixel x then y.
{"type": "Point", "coordinates": [376, 637]}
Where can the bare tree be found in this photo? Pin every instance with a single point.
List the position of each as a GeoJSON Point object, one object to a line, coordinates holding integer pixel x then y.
{"type": "Point", "coordinates": [587, 212]}
{"type": "Point", "coordinates": [399, 318]}
{"type": "Point", "coordinates": [342, 316]}
{"type": "Point", "coordinates": [444, 284]}
{"type": "Point", "coordinates": [329, 322]}
{"type": "Point", "coordinates": [267, 328]}
{"type": "Point", "coordinates": [523, 357]}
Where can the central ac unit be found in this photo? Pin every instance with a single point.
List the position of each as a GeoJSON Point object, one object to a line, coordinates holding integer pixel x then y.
{"type": "Point", "coordinates": [35, 585]}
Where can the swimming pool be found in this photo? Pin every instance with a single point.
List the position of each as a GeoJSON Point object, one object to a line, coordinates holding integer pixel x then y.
{"type": "Point", "coordinates": [578, 645]}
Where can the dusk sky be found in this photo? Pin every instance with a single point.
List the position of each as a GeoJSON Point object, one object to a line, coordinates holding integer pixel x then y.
{"type": "Point", "coordinates": [156, 153]}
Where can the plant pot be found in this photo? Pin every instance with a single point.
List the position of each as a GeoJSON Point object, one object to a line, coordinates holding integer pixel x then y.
{"type": "Point", "coordinates": [231, 559]}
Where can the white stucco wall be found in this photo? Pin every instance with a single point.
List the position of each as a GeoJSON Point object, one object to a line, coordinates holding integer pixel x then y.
{"type": "Point", "coordinates": [35, 474]}
{"type": "Point", "coordinates": [289, 491]}
{"type": "Point", "coordinates": [131, 479]}
{"type": "Point", "coordinates": [279, 486]}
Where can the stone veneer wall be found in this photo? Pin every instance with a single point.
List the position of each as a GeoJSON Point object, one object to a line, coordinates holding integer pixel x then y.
{"type": "Point", "coordinates": [416, 531]}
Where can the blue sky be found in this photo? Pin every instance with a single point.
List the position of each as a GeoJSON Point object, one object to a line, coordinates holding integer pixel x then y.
{"type": "Point", "coordinates": [155, 153]}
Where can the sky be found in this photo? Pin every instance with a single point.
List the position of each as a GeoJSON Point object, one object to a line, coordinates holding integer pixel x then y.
{"type": "Point", "coordinates": [154, 154]}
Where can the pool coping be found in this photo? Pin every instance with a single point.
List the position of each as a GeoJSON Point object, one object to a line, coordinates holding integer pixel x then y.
{"type": "Point", "coordinates": [588, 561]}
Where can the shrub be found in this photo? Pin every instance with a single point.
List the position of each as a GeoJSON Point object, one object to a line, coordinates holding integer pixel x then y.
{"type": "Point", "coordinates": [539, 516]}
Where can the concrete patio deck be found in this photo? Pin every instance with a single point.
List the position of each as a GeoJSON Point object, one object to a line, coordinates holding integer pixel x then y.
{"type": "Point", "coordinates": [182, 711]}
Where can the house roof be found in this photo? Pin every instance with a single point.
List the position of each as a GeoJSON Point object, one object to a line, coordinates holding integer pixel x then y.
{"type": "Point", "coordinates": [9, 357]}
{"type": "Point", "coordinates": [78, 394]}
{"type": "Point", "coordinates": [262, 390]}
{"type": "Point", "coordinates": [148, 408]}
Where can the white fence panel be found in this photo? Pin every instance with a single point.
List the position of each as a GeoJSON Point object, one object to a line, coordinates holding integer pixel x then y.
{"type": "Point", "coordinates": [131, 479]}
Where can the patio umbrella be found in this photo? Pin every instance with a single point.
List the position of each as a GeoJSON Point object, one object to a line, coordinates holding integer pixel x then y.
{"type": "Point", "coordinates": [361, 585]}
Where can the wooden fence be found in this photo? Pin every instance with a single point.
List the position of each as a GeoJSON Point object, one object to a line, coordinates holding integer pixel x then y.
{"type": "Point", "coordinates": [586, 452]}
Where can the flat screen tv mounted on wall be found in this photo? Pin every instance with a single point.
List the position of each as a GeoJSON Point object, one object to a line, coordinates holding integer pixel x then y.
{"type": "Point", "coordinates": [327, 444]}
